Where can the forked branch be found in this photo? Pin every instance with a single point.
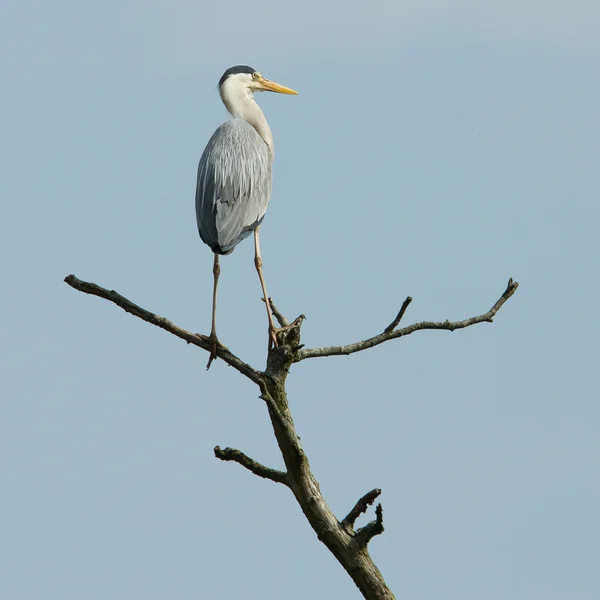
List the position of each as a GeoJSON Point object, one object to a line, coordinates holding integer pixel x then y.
{"type": "Point", "coordinates": [347, 545]}
{"type": "Point", "coordinates": [360, 507]}
{"type": "Point", "coordinates": [370, 530]}
{"type": "Point", "coordinates": [390, 333]}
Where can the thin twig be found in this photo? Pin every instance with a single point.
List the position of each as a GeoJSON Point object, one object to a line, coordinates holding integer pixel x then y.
{"type": "Point", "coordinates": [399, 316]}
{"type": "Point", "coordinates": [391, 335]}
{"type": "Point", "coordinates": [283, 322]}
{"type": "Point", "coordinates": [197, 339]}
{"type": "Point", "coordinates": [370, 530]}
{"type": "Point", "coordinates": [360, 507]}
{"type": "Point", "coordinates": [250, 464]}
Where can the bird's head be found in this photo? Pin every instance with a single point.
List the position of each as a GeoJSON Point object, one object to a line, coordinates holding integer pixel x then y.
{"type": "Point", "coordinates": [242, 79]}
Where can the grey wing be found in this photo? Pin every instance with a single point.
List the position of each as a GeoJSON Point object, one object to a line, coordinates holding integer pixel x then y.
{"type": "Point", "coordinates": [234, 185]}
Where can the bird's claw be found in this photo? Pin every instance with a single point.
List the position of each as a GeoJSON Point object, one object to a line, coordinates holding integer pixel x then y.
{"type": "Point", "coordinates": [273, 337]}
{"type": "Point", "coordinates": [214, 342]}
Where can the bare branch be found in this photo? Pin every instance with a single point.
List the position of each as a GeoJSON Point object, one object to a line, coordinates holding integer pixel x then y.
{"type": "Point", "coordinates": [282, 422]}
{"type": "Point", "coordinates": [251, 465]}
{"type": "Point", "coordinates": [360, 507]}
{"type": "Point", "coordinates": [370, 530]}
{"type": "Point", "coordinates": [391, 335]}
{"type": "Point", "coordinates": [346, 545]}
{"type": "Point", "coordinates": [197, 339]}
{"type": "Point", "coordinates": [283, 322]}
{"type": "Point", "coordinates": [399, 316]}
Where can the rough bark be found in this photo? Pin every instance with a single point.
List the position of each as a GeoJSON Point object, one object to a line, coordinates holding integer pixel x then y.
{"type": "Point", "coordinates": [348, 545]}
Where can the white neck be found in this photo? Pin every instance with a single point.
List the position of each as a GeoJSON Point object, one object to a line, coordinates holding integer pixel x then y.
{"type": "Point", "coordinates": [239, 101]}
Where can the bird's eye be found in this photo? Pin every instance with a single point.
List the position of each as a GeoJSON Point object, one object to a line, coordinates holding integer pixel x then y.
{"type": "Point", "coordinates": [255, 75]}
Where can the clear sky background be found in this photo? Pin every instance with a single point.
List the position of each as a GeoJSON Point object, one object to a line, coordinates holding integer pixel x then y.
{"type": "Point", "coordinates": [436, 149]}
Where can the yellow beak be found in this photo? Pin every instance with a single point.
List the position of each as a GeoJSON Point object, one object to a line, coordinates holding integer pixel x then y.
{"type": "Point", "coordinates": [270, 86]}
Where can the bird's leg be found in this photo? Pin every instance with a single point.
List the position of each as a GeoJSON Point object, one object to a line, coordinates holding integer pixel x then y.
{"type": "Point", "coordinates": [213, 331]}
{"type": "Point", "coordinates": [258, 264]}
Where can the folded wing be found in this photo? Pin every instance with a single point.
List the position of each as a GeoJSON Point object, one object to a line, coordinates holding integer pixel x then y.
{"type": "Point", "coordinates": [234, 185]}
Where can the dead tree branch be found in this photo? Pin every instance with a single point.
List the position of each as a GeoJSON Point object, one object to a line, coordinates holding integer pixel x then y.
{"type": "Point", "coordinates": [283, 322]}
{"type": "Point", "coordinates": [392, 334]}
{"type": "Point", "coordinates": [361, 507]}
{"type": "Point", "coordinates": [370, 530]}
{"type": "Point", "coordinates": [349, 547]}
{"type": "Point", "coordinates": [399, 316]}
{"type": "Point", "coordinates": [197, 339]}
{"type": "Point", "coordinates": [250, 464]}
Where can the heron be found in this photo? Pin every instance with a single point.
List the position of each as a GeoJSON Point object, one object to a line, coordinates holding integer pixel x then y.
{"type": "Point", "coordinates": [235, 179]}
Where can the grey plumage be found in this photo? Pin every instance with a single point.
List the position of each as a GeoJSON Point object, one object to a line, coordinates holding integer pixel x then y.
{"type": "Point", "coordinates": [234, 185]}
{"type": "Point", "coordinates": [234, 179]}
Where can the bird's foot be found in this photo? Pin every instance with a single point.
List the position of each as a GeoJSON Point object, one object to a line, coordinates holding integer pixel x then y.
{"type": "Point", "coordinates": [214, 342]}
{"type": "Point", "coordinates": [273, 336]}
{"type": "Point", "coordinates": [289, 335]}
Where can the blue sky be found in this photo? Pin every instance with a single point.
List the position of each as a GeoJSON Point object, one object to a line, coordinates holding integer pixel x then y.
{"type": "Point", "coordinates": [432, 152]}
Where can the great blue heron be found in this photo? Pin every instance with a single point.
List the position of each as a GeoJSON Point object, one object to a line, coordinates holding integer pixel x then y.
{"type": "Point", "coordinates": [234, 178]}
